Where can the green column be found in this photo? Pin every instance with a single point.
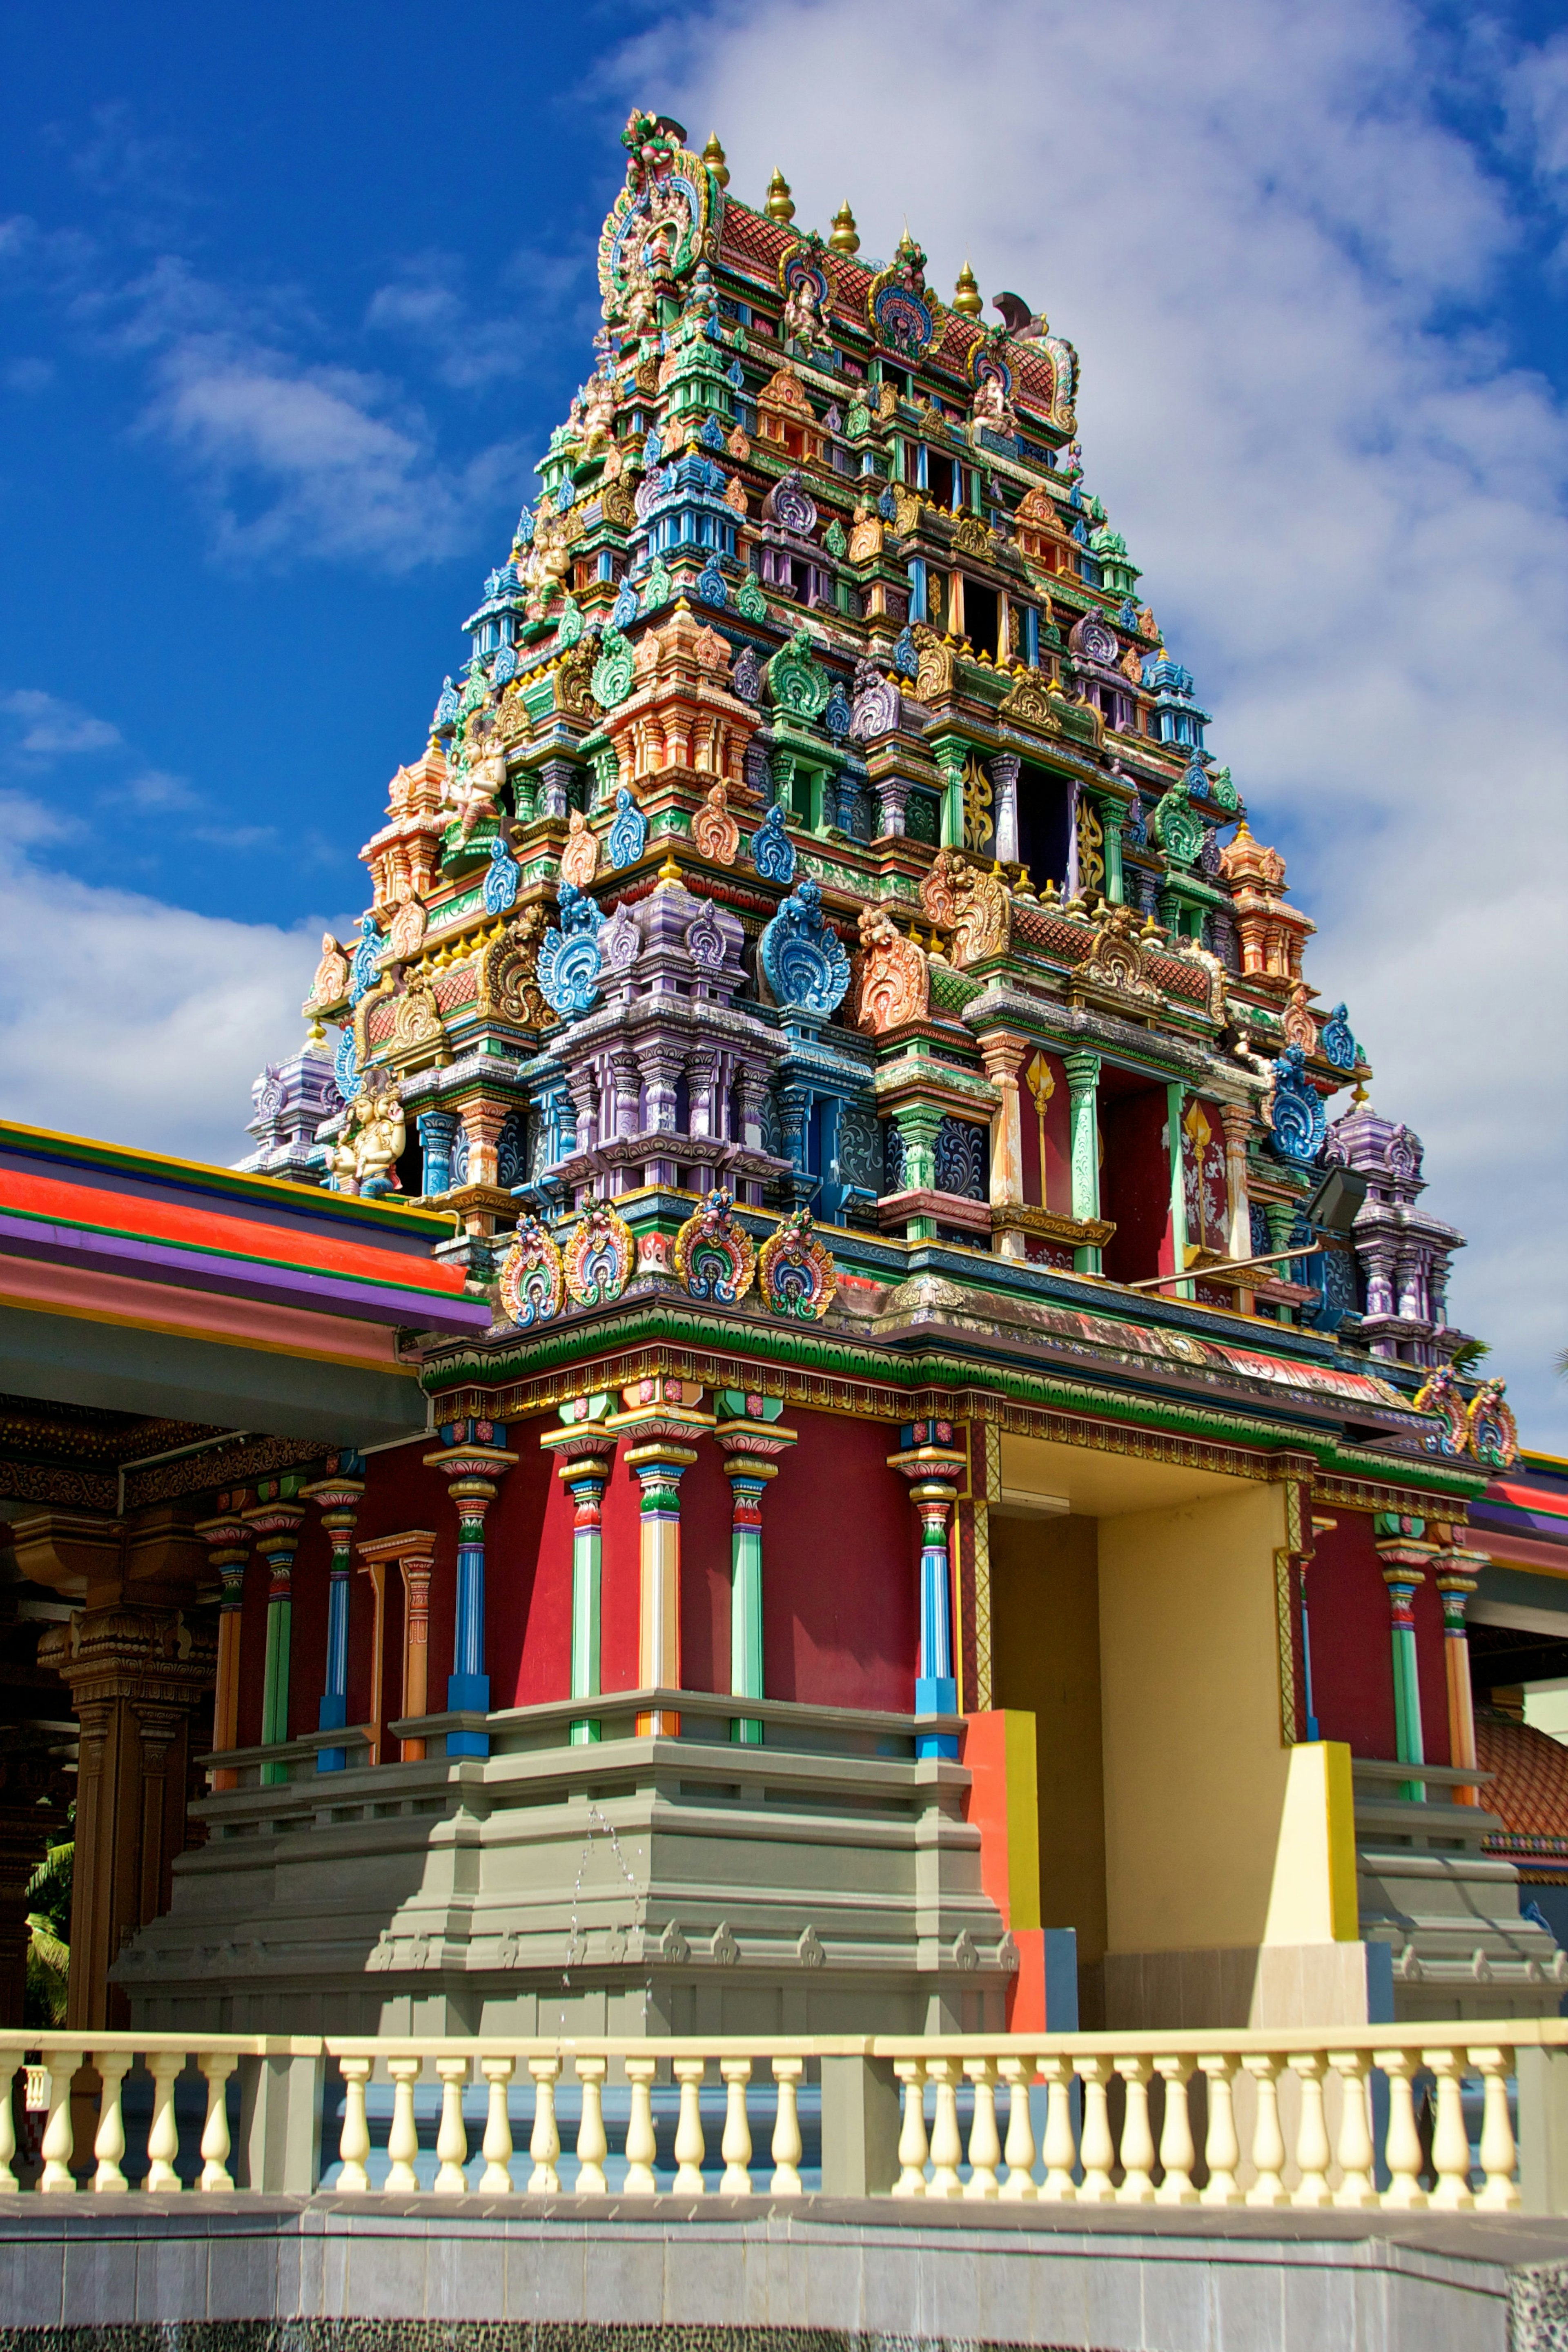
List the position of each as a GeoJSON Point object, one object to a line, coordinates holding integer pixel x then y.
{"type": "Point", "coordinates": [585, 1451]}
{"type": "Point", "coordinates": [1280, 1219]}
{"type": "Point", "coordinates": [750, 1433]}
{"type": "Point", "coordinates": [919, 1123]}
{"type": "Point", "coordinates": [1083, 1103]}
{"type": "Point", "coordinates": [275, 1523]}
{"type": "Point", "coordinates": [1404, 1556]}
{"type": "Point", "coordinates": [1176, 1107]}
{"type": "Point", "coordinates": [585, 1480]}
{"type": "Point", "coordinates": [951, 754]}
{"type": "Point", "coordinates": [1111, 818]}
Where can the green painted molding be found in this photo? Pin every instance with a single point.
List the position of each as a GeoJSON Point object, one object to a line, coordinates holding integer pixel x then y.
{"type": "Point", "coordinates": [463, 1364]}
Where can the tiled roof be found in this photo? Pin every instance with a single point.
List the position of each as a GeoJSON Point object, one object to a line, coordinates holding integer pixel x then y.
{"type": "Point", "coordinates": [1529, 1795]}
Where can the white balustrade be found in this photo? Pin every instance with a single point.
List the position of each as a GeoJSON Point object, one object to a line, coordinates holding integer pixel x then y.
{"type": "Point", "coordinates": [1176, 2118]}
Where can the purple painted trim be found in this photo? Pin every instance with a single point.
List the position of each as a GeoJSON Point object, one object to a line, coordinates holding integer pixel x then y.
{"type": "Point", "coordinates": [195, 1269]}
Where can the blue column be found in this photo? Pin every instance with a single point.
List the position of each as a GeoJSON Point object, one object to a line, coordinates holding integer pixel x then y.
{"type": "Point", "coordinates": [472, 1455]}
{"type": "Point", "coordinates": [933, 1464]}
{"type": "Point", "coordinates": [437, 1132]}
{"type": "Point", "coordinates": [338, 1492]}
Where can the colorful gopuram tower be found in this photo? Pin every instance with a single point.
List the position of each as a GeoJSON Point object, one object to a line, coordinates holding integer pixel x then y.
{"type": "Point", "coordinates": [964, 1447]}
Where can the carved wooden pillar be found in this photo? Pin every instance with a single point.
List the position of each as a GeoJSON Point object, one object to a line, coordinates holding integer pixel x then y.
{"type": "Point", "coordinates": [136, 1676]}
{"type": "Point", "coordinates": [414, 1553]}
{"type": "Point", "coordinates": [227, 1539]}
{"type": "Point", "coordinates": [1001, 1056]}
{"type": "Point", "coordinates": [1236, 1120]}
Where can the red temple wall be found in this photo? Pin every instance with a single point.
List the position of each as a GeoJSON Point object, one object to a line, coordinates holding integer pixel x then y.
{"type": "Point", "coordinates": [840, 1552]}
{"type": "Point", "coordinates": [1352, 1658]}
{"type": "Point", "coordinates": [1135, 1185]}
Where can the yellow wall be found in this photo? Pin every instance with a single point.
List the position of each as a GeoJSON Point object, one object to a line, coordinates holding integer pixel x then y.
{"type": "Point", "coordinates": [1045, 1621]}
{"type": "Point", "coordinates": [1213, 1836]}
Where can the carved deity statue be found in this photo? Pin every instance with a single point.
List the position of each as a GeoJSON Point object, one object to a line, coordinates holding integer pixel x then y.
{"type": "Point", "coordinates": [364, 1157]}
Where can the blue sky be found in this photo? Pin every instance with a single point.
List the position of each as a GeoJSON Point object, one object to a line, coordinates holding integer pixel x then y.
{"type": "Point", "coordinates": [289, 298]}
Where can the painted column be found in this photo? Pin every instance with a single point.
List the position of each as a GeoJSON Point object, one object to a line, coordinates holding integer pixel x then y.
{"type": "Point", "coordinates": [1236, 1118]}
{"type": "Point", "coordinates": [1005, 768]}
{"type": "Point", "coordinates": [472, 1456]}
{"type": "Point", "coordinates": [1456, 1574]}
{"type": "Point", "coordinates": [340, 1492]}
{"type": "Point", "coordinates": [1001, 1056]}
{"type": "Point", "coordinates": [586, 1452]}
{"type": "Point", "coordinates": [437, 1133]}
{"type": "Point", "coordinates": [662, 1420]}
{"type": "Point", "coordinates": [227, 1539]}
{"type": "Point", "coordinates": [1111, 818]}
{"type": "Point", "coordinates": [413, 1550]}
{"type": "Point", "coordinates": [950, 758]}
{"type": "Point", "coordinates": [1405, 1556]}
{"type": "Point", "coordinates": [749, 1430]}
{"type": "Point", "coordinates": [919, 1124]}
{"type": "Point", "coordinates": [934, 1466]}
{"type": "Point", "coordinates": [1175, 1109]}
{"type": "Point", "coordinates": [275, 1520]}
{"type": "Point", "coordinates": [416, 1569]}
{"type": "Point", "coordinates": [1083, 1111]}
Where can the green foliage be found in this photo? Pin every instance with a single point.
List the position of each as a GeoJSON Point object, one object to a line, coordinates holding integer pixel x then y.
{"type": "Point", "coordinates": [49, 1935]}
{"type": "Point", "coordinates": [1469, 1355]}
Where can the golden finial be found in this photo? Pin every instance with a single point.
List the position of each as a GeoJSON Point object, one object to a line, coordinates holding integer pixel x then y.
{"type": "Point", "coordinates": [713, 156]}
{"type": "Point", "coordinates": [845, 237]}
{"type": "Point", "coordinates": [669, 871]}
{"type": "Point", "coordinates": [1359, 1095]}
{"type": "Point", "coordinates": [966, 295]}
{"type": "Point", "coordinates": [780, 206]}
{"type": "Point", "coordinates": [316, 1035]}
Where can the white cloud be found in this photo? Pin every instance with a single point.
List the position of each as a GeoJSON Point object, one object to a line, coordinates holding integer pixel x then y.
{"type": "Point", "coordinates": [53, 729]}
{"type": "Point", "coordinates": [301, 460]}
{"type": "Point", "coordinates": [1254, 223]}
{"type": "Point", "coordinates": [125, 1018]}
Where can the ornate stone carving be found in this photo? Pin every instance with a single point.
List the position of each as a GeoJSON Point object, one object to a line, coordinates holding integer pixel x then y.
{"type": "Point", "coordinates": [893, 979]}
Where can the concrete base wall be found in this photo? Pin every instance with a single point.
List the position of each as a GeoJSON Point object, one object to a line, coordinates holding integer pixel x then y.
{"type": "Point", "coordinates": [767, 2275]}
{"type": "Point", "coordinates": [825, 1882]}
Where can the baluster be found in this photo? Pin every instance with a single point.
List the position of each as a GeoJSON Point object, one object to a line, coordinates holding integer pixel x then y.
{"type": "Point", "coordinates": [1059, 2149]}
{"type": "Point", "coordinates": [1450, 2140]}
{"type": "Point", "coordinates": [641, 2145]}
{"type": "Point", "coordinates": [1355, 2155]}
{"type": "Point", "coordinates": [786, 2148]}
{"type": "Point", "coordinates": [592, 2145]}
{"type": "Point", "coordinates": [946, 2144]}
{"type": "Point", "coordinates": [689, 2145]}
{"type": "Point", "coordinates": [1499, 2191]}
{"type": "Point", "coordinates": [1313, 2152]}
{"type": "Point", "coordinates": [1267, 2139]}
{"type": "Point", "coordinates": [10, 2184]}
{"type": "Point", "coordinates": [403, 2139]}
{"type": "Point", "coordinates": [984, 2147]}
{"type": "Point", "coordinates": [1137, 2138]}
{"type": "Point", "coordinates": [735, 2147]}
{"type": "Point", "coordinates": [166, 2066]}
{"type": "Point", "coordinates": [108, 2143]}
{"type": "Point", "coordinates": [1177, 2153]}
{"type": "Point", "coordinates": [912, 2143]}
{"type": "Point", "coordinates": [1222, 2149]}
{"type": "Point", "coordinates": [1097, 2149]}
{"type": "Point", "coordinates": [1017, 2072]}
{"type": "Point", "coordinates": [1402, 2151]}
{"type": "Point", "coordinates": [217, 2065]}
{"type": "Point", "coordinates": [353, 2141]}
{"type": "Point", "coordinates": [544, 2141]}
{"type": "Point", "coordinates": [60, 2066]}
{"type": "Point", "coordinates": [451, 2137]}
{"type": "Point", "coordinates": [496, 2148]}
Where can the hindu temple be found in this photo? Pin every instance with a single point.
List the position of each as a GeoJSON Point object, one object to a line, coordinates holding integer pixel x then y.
{"type": "Point", "coordinates": [827, 1396]}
